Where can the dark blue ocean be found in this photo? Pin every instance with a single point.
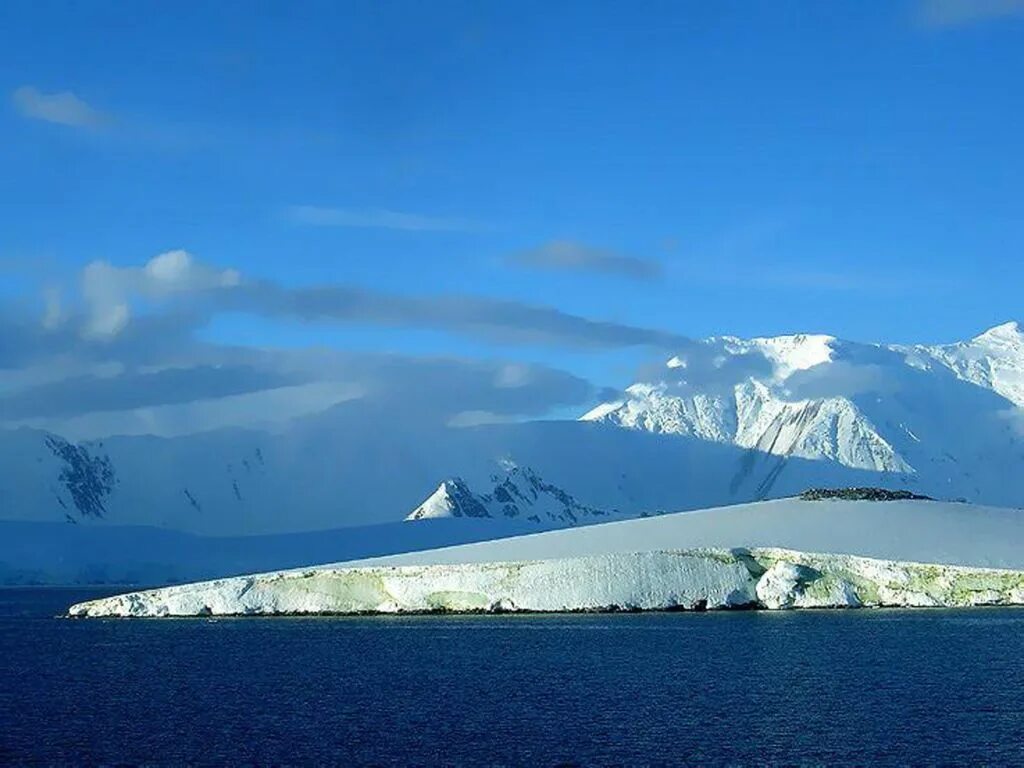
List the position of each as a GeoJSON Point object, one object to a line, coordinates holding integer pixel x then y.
{"type": "Point", "coordinates": [853, 687]}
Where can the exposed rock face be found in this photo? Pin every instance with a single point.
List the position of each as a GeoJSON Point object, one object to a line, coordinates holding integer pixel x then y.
{"type": "Point", "coordinates": [88, 479]}
{"type": "Point", "coordinates": [696, 579]}
{"type": "Point", "coordinates": [862, 494]}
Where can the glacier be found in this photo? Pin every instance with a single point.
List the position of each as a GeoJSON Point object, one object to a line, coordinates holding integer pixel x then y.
{"type": "Point", "coordinates": [770, 555]}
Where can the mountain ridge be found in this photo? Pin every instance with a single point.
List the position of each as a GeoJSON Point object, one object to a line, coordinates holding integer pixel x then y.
{"type": "Point", "coordinates": [823, 398]}
{"type": "Point", "coordinates": [736, 421]}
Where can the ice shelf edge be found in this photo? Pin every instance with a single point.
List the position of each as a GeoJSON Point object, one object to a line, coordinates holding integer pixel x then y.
{"type": "Point", "coordinates": [693, 579]}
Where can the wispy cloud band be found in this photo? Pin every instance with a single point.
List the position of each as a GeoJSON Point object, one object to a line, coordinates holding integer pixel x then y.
{"type": "Point", "coordinates": [571, 256]}
{"type": "Point", "coordinates": [123, 353]}
{"type": "Point", "coordinates": [956, 13]}
{"type": "Point", "coordinates": [63, 108]}
{"type": "Point", "coordinates": [509, 322]}
{"type": "Point", "coordinates": [109, 294]}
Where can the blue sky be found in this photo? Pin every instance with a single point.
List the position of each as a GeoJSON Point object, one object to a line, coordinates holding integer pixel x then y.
{"type": "Point", "coordinates": [692, 168]}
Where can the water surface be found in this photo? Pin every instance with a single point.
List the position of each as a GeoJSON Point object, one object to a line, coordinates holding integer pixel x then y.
{"type": "Point", "coordinates": [852, 687]}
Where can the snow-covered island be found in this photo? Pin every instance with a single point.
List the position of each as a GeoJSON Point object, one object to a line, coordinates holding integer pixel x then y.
{"type": "Point", "coordinates": [790, 553]}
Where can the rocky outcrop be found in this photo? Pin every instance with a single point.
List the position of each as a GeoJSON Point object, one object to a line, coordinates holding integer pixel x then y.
{"type": "Point", "coordinates": [862, 494]}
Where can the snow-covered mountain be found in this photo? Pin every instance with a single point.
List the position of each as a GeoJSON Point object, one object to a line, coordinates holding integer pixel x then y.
{"type": "Point", "coordinates": [333, 471]}
{"type": "Point", "coordinates": [994, 360]}
{"type": "Point", "coordinates": [517, 494]}
{"type": "Point", "coordinates": [754, 415]}
{"type": "Point", "coordinates": [730, 421]}
{"type": "Point", "coordinates": [947, 418]}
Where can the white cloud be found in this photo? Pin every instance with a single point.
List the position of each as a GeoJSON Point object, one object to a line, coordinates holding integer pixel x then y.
{"type": "Point", "coordinates": [52, 313]}
{"type": "Point", "coordinates": [122, 354]}
{"type": "Point", "coordinates": [64, 108]}
{"type": "Point", "coordinates": [177, 272]}
{"type": "Point", "coordinates": [376, 218]}
{"type": "Point", "coordinates": [115, 300]}
{"type": "Point", "coordinates": [842, 378]}
{"type": "Point", "coordinates": [111, 295]}
{"type": "Point", "coordinates": [465, 419]}
{"type": "Point", "coordinates": [109, 290]}
{"type": "Point", "coordinates": [212, 386]}
{"type": "Point", "coordinates": [108, 319]}
{"type": "Point", "coordinates": [267, 409]}
{"type": "Point", "coordinates": [512, 375]}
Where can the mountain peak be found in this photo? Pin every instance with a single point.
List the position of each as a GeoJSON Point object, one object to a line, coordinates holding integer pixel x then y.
{"type": "Point", "coordinates": [518, 493]}
{"type": "Point", "coordinates": [451, 499]}
{"type": "Point", "coordinates": [1010, 331]}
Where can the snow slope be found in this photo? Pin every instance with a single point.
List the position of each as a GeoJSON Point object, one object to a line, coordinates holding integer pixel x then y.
{"type": "Point", "coordinates": [657, 563]}
{"type": "Point", "coordinates": [993, 360]}
{"type": "Point", "coordinates": [922, 531]}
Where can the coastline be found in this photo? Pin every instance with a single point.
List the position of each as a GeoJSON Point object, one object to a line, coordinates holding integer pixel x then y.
{"type": "Point", "coordinates": [660, 580]}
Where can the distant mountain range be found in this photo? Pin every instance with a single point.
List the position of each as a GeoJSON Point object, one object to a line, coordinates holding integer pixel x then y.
{"type": "Point", "coordinates": [731, 421]}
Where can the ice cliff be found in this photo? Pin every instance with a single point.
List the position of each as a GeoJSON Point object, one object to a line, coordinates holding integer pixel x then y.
{"type": "Point", "coordinates": [698, 579]}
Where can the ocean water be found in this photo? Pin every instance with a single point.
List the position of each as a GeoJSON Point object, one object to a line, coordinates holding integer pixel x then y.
{"type": "Point", "coordinates": [846, 687]}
